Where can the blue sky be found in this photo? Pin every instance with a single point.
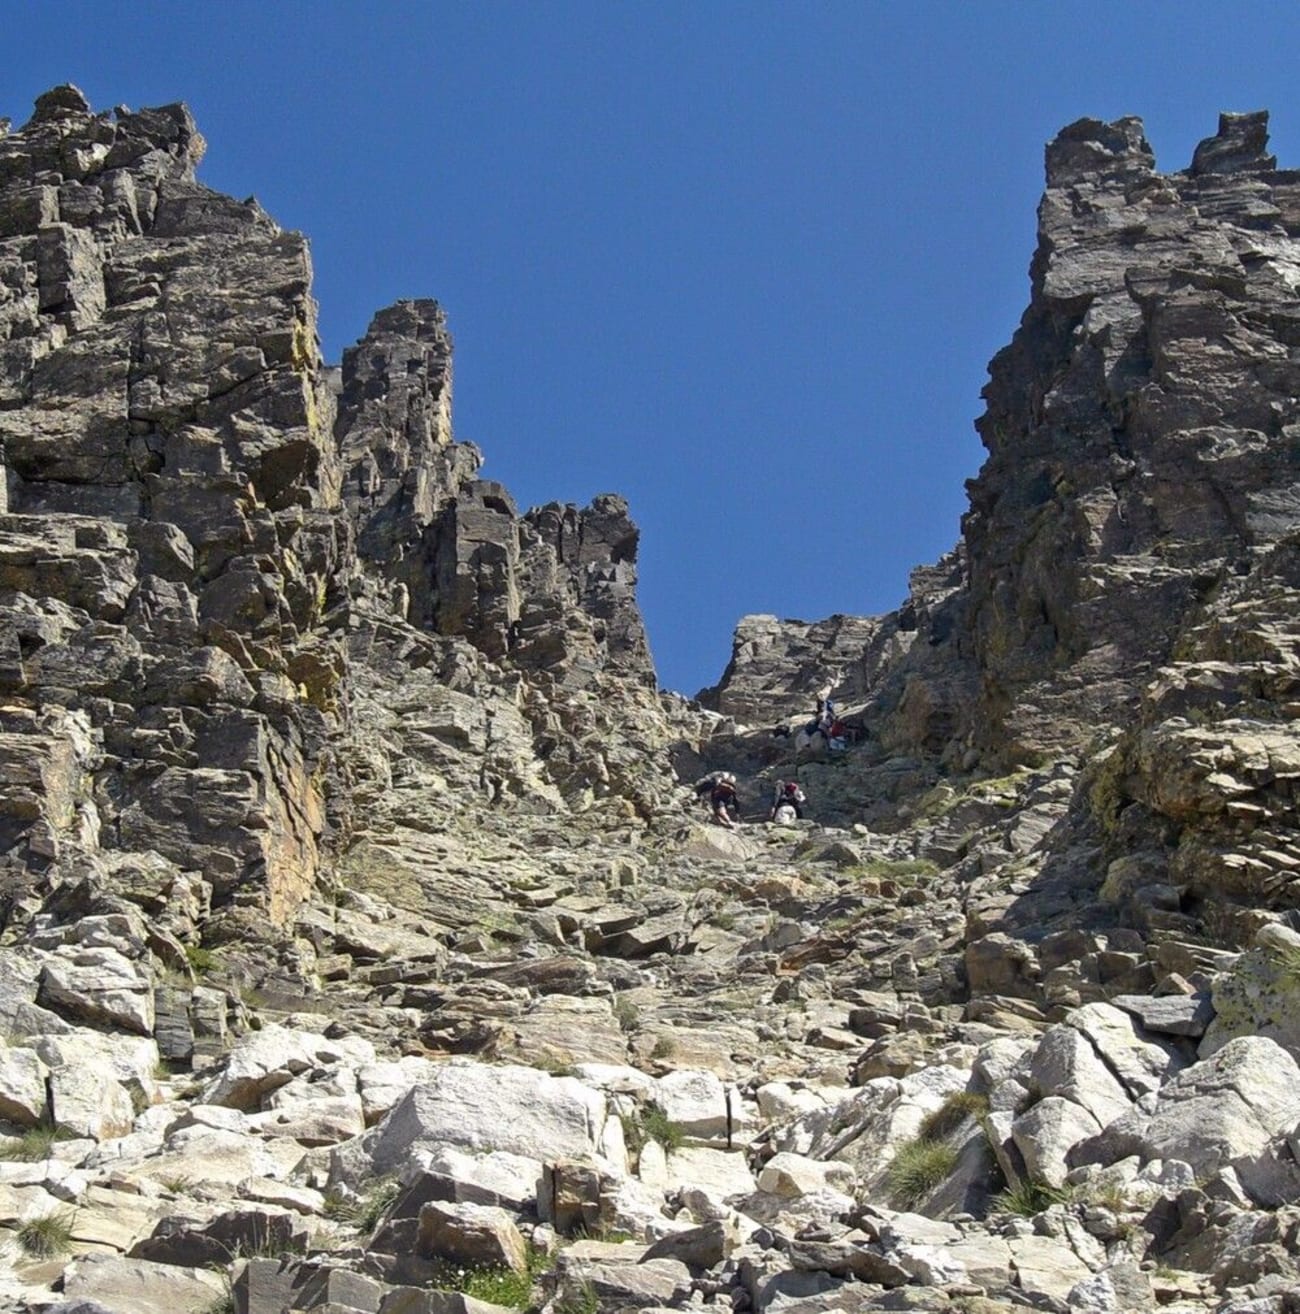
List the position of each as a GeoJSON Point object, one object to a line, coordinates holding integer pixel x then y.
{"type": "Point", "coordinates": [744, 263]}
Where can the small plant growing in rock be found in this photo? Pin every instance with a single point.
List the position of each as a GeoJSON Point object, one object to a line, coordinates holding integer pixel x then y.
{"type": "Point", "coordinates": [47, 1236]}
{"type": "Point", "coordinates": [664, 1047]}
{"type": "Point", "coordinates": [626, 1014]}
{"type": "Point", "coordinates": [225, 1302]}
{"type": "Point", "coordinates": [1287, 958]}
{"type": "Point", "coordinates": [1028, 1198]}
{"type": "Point", "coordinates": [498, 1286]}
{"type": "Point", "coordinates": [960, 1106]}
{"type": "Point", "coordinates": [919, 1166]}
{"type": "Point", "coordinates": [201, 960]}
{"type": "Point", "coordinates": [363, 1211]}
{"type": "Point", "coordinates": [660, 1127]}
{"type": "Point", "coordinates": [33, 1144]}
{"type": "Point", "coordinates": [578, 1300]}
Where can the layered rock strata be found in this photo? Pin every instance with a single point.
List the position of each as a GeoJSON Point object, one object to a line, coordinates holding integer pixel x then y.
{"type": "Point", "coordinates": [205, 526]}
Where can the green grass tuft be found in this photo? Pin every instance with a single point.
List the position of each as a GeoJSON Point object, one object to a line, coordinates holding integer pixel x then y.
{"type": "Point", "coordinates": [33, 1144]}
{"type": "Point", "coordinates": [363, 1211]}
{"type": "Point", "coordinates": [959, 1107]}
{"type": "Point", "coordinates": [579, 1300]}
{"type": "Point", "coordinates": [919, 1166]}
{"type": "Point", "coordinates": [1028, 1198]}
{"type": "Point", "coordinates": [47, 1236]}
{"type": "Point", "coordinates": [658, 1126]}
{"type": "Point", "coordinates": [201, 960]}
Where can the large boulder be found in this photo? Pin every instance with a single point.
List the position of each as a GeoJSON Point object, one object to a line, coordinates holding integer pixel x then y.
{"type": "Point", "coordinates": [477, 1107]}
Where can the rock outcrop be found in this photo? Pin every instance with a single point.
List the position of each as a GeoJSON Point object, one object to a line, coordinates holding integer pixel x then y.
{"type": "Point", "coordinates": [363, 947]}
{"type": "Point", "coordinates": [205, 525]}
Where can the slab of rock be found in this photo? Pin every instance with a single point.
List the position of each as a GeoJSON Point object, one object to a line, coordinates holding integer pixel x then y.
{"type": "Point", "coordinates": [479, 1108]}
{"type": "Point", "coordinates": [1142, 1063]}
{"type": "Point", "coordinates": [470, 1236]}
{"type": "Point", "coordinates": [1224, 1108]}
{"type": "Point", "coordinates": [1066, 1064]}
{"type": "Point", "coordinates": [1046, 1133]}
{"type": "Point", "coordinates": [792, 1175]}
{"type": "Point", "coordinates": [135, 1286]}
{"type": "Point", "coordinates": [1171, 1015]}
{"type": "Point", "coordinates": [100, 986]}
{"type": "Point", "coordinates": [22, 1086]}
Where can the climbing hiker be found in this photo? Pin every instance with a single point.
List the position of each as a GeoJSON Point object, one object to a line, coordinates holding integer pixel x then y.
{"type": "Point", "coordinates": [825, 714]}
{"type": "Point", "coordinates": [724, 803]}
{"type": "Point", "coordinates": [703, 787]}
{"type": "Point", "coordinates": [787, 801]}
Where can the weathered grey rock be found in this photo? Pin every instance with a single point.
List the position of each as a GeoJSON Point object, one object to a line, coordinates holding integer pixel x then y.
{"type": "Point", "coordinates": [1217, 1111]}
{"type": "Point", "coordinates": [184, 1241]}
{"type": "Point", "coordinates": [517, 1110]}
{"type": "Point", "coordinates": [136, 1286]}
{"type": "Point", "coordinates": [22, 1086]}
{"type": "Point", "coordinates": [1171, 1015]}
{"type": "Point", "coordinates": [1047, 1133]}
{"type": "Point", "coordinates": [99, 985]}
{"type": "Point", "coordinates": [1260, 995]}
{"type": "Point", "coordinates": [471, 1236]}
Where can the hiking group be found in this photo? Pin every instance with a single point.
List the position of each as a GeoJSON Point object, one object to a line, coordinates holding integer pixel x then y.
{"type": "Point", "coordinates": [718, 789]}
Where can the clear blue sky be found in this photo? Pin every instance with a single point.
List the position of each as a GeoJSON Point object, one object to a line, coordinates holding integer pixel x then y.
{"type": "Point", "coordinates": [744, 263]}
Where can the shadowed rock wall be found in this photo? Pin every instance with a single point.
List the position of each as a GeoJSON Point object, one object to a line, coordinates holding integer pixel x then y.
{"type": "Point", "coordinates": [200, 519]}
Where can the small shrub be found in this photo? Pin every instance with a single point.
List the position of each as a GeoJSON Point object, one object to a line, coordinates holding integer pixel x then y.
{"type": "Point", "coordinates": [225, 1302]}
{"type": "Point", "coordinates": [1028, 1198]}
{"type": "Point", "coordinates": [50, 1235]}
{"type": "Point", "coordinates": [33, 1144]}
{"type": "Point", "coordinates": [918, 1167]}
{"type": "Point", "coordinates": [581, 1300]}
{"type": "Point", "coordinates": [364, 1211]}
{"type": "Point", "coordinates": [660, 1127]}
{"type": "Point", "coordinates": [634, 1137]}
{"type": "Point", "coordinates": [201, 960]}
{"type": "Point", "coordinates": [626, 1014]}
{"type": "Point", "coordinates": [176, 1183]}
{"type": "Point", "coordinates": [664, 1047]}
{"type": "Point", "coordinates": [959, 1107]}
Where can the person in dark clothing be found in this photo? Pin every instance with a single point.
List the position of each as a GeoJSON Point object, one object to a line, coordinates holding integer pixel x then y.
{"type": "Point", "coordinates": [723, 802]}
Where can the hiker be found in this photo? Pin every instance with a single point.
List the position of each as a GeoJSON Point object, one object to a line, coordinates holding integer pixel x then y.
{"type": "Point", "coordinates": [723, 802]}
{"type": "Point", "coordinates": [787, 801]}
{"type": "Point", "coordinates": [703, 787]}
{"type": "Point", "coordinates": [825, 715]}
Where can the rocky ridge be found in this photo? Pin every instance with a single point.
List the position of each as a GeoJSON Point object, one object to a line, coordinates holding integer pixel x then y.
{"type": "Point", "coordinates": [363, 947]}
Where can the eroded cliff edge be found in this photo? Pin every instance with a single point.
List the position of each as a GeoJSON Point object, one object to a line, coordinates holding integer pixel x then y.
{"type": "Point", "coordinates": [1124, 596]}
{"type": "Point", "coordinates": [208, 534]}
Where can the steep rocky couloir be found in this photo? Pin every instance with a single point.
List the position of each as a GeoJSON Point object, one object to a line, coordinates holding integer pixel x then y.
{"type": "Point", "coordinates": [364, 948]}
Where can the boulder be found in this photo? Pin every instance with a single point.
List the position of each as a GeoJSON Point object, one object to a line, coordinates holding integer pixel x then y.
{"type": "Point", "coordinates": [480, 1108]}
{"type": "Point", "coordinates": [470, 1236]}
{"type": "Point", "coordinates": [119, 1285]}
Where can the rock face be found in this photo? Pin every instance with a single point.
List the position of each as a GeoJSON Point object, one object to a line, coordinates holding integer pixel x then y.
{"type": "Point", "coordinates": [357, 936]}
{"type": "Point", "coordinates": [204, 525]}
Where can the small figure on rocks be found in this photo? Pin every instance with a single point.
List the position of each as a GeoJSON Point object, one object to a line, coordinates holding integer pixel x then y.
{"type": "Point", "coordinates": [825, 712]}
{"type": "Point", "coordinates": [724, 803]}
{"type": "Point", "coordinates": [703, 787]}
{"type": "Point", "coordinates": [787, 802]}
